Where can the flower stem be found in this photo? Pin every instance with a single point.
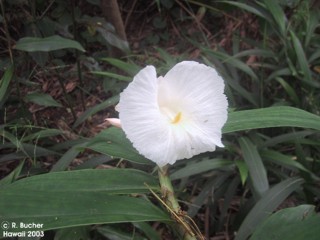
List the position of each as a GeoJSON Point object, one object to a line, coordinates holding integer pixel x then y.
{"type": "Point", "coordinates": [184, 229]}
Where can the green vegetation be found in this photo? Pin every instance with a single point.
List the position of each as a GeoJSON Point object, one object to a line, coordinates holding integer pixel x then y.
{"type": "Point", "coordinates": [63, 66]}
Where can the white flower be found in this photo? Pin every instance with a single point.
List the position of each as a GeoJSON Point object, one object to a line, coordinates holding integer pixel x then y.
{"type": "Point", "coordinates": [176, 116]}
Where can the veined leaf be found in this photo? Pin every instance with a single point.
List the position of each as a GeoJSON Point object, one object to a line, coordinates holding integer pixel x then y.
{"type": "Point", "coordinates": [55, 42]}
{"type": "Point", "coordinates": [270, 117]}
{"type": "Point", "coordinates": [268, 203]}
{"type": "Point", "coordinates": [113, 142]}
{"type": "Point", "coordinates": [257, 171]}
{"type": "Point", "coordinates": [200, 167]}
{"type": "Point", "coordinates": [77, 198]}
{"type": "Point", "coordinates": [302, 60]}
{"type": "Point", "coordinates": [70, 209]}
{"type": "Point", "coordinates": [111, 181]}
{"type": "Point", "coordinates": [42, 99]}
{"type": "Point", "coordinates": [294, 223]}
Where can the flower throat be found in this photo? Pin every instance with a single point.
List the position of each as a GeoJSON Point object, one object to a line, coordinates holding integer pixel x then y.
{"type": "Point", "coordinates": [177, 118]}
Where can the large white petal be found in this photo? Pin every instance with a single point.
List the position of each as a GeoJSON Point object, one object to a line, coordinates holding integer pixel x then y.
{"type": "Point", "coordinates": [141, 118]}
{"type": "Point", "coordinates": [200, 89]}
{"type": "Point", "coordinates": [189, 88]}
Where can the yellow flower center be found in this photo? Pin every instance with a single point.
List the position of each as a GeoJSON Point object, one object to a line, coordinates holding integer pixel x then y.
{"type": "Point", "coordinates": [177, 118]}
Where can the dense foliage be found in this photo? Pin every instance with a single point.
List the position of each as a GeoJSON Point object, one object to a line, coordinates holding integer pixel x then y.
{"type": "Point", "coordinates": [61, 167]}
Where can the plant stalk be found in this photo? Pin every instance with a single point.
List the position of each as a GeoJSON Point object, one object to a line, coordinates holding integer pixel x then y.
{"type": "Point", "coordinates": [185, 231]}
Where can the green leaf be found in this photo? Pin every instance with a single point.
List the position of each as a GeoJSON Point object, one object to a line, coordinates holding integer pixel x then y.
{"type": "Point", "coordinates": [67, 158]}
{"type": "Point", "coordinates": [112, 39]}
{"type": "Point", "coordinates": [268, 203]}
{"type": "Point", "coordinates": [42, 99]}
{"type": "Point", "coordinates": [246, 7]}
{"type": "Point", "coordinates": [129, 68]}
{"type": "Point", "coordinates": [72, 209]}
{"type": "Point", "coordinates": [76, 198]}
{"type": "Point", "coordinates": [278, 73]}
{"type": "Point", "coordinates": [5, 80]}
{"type": "Point", "coordinates": [99, 107]}
{"type": "Point", "coordinates": [283, 160]}
{"type": "Point", "coordinates": [290, 91]}
{"type": "Point", "coordinates": [116, 233]}
{"type": "Point", "coordinates": [295, 223]}
{"type": "Point", "coordinates": [302, 60]}
{"type": "Point", "coordinates": [270, 117]}
{"type": "Point", "coordinates": [111, 181]}
{"type": "Point", "coordinates": [255, 52]}
{"type": "Point", "coordinates": [287, 137]}
{"type": "Point", "coordinates": [113, 75]}
{"type": "Point", "coordinates": [13, 175]}
{"type": "Point", "coordinates": [113, 142]}
{"type": "Point", "coordinates": [200, 167]}
{"type": "Point", "coordinates": [73, 233]}
{"type": "Point", "coordinates": [233, 61]}
{"type": "Point", "coordinates": [278, 15]}
{"type": "Point", "coordinates": [148, 230]}
{"type": "Point", "coordinates": [257, 171]}
{"type": "Point", "coordinates": [42, 134]}
{"type": "Point", "coordinates": [33, 44]}
{"type": "Point", "coordinates": [243, 170]}
{"type": "Point", "coordinates": [27, 150]}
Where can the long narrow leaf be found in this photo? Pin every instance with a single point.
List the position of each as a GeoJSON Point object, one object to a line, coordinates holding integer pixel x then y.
{"type": "Point", "coordinates": [111, 181]}
{"type": "Point", "coordinates": [113, 142]}
{"type": "Point", "coordinates": [4, 82]}
{"type": "Point", "coordinates": [283, 160]}
{"type": "Point", "coordinates": [90, 111]}
{"type": "Point", "coordinates": [113, 75]}
{"type": "Point", "coordinates": [72, 209]}
{"type": "Point", "coordinates": [42, 99]}
{"type": "Point", "coordinates": [268, 203]}
{"type": "Point", "coordinates": [295, 223]}
{"type": "Point", "coordinates": [67, 158]}
{"type": "Point", "coordinates": [278, 15]}
{"type": "Point", "coordinates": [129, 68]}
{"type": "Point", "coordinates": [302, 60]}
{"type": "Point", "coordinates": [76, 198]}
{"type": "Point", "coordinates": [257, 171]}
{"type": "Point", "coordinates": [271, 117]}
{"type": "Point", "coordinates": [33, 44]}
{"type": "Point", "coordinates": [247, 7]}
{"type": "Point", "coordinates": [199, 167]}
